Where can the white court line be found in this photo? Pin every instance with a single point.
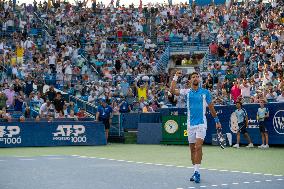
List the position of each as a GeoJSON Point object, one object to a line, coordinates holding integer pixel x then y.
{"type": "Point", "coordinates": [55, 158]}
{"type": "Point", "coordinates": [120, 160]}
{"type": "Point", "coordinates": [235, 183]}
{"type": "Point", "coordinates": [74, 155]}
{"type": "Point", "coordinates": [179, 166]}
{"type": "Point", "coordinates": [191, 187]}
{"type": "Point", "coordinates": [280, 179]}
{"type": "Point", "coordinates": [246, 182]}
{"type": "Point", "coordinates": [257, 181]}
{"type": "Point", "coordinates": [139, 162]}
{"type": "Point", "coordinates": [202, 186]}
{"type": "Point", "coordinates": [224, 184]}
{"type": "Point", "coordinates": [214, 185]}
{"type": "Point", "coordinates": [148, 163]}
{"type": "Point", "coordinates": [246, 172]}
{"type": "Point", "coordinates": [179, 188]}
{"type": "Point", "coordinates": [26, 159]}
{"type": "Point", "coordinates": [49, 155]}
{"type": "Point", "coordinates": [169, 165]}
{"type": "Point", "coordinates": [268, 180]}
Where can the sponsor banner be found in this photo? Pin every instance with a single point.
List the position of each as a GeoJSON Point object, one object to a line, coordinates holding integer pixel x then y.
{"type": "Point", "coordinates": [274, 124]}
{"type": "Point", "coordinates": [51, 134]}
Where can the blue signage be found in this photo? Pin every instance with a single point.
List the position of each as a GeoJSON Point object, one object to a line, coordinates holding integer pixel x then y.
{"type": "Point", "coordinates": [13, 134]}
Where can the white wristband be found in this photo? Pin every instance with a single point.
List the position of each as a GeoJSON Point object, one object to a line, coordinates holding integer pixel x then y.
{"type": "Point", "coordinates": [175, 78]}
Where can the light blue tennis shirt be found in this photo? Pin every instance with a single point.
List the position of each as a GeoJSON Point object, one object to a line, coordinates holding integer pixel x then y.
{"type": "Point", "coordinates": [241, 115]}
{"type": "Point", "coordinates": [197, 101]}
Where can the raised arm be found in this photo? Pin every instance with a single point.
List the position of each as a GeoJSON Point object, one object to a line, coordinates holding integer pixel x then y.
{"type": "Point", "coordinates": [173, 88]}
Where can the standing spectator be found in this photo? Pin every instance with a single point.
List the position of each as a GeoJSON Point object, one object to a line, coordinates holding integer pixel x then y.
{"type": "Point", "coordinates": [3, 99]}
{"type": "Point", "coordinates": [245, 91]}
{"type": "Point", "coordinates": [29, 85]}
{"type": "Point", "coordinates": [262, 116]}
{"type": "Point", "coordinates": [18, 103]}
{"type": "Point", "coordinates": [51, 94]}
{"type": "Point", "coordinates": [58, 102]}
{"type": "Point", "coordinates": [235, 92]}
{"type": "Point", "coordinates": [10, 94]}
{"type": "Point", "coordinates": [104, 114]}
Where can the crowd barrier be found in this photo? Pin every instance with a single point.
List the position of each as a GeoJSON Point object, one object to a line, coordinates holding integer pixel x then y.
{"type": "Point", "coordinates": [149, 127]}
{"type": "Point", "coordinates": [15, 134]}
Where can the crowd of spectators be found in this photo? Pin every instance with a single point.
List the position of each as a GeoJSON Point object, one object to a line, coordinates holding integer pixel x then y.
{"type": "Point", "coordinates": [106, 52]}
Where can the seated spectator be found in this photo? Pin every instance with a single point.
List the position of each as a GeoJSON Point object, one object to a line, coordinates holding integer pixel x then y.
{"type": "Point", "coordinates": [22, 119]}
{"type": "Point", "coordinates": [280, 98]}
{"type": "Point", "coordinates": [72, 115]}
{"type": "Point", "coordinates": [46, 109]}
{"type": "Point", "coordinates": [82, 113]}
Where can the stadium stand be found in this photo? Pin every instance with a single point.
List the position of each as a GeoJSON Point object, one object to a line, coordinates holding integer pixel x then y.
{"type": "Point", "coordinates": [122, 53]}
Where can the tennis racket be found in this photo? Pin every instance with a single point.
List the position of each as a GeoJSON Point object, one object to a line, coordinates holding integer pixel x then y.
{"type": "Point", "coordinates": [220, 138]}
{"type": "Point", "coordinates": [241, 127]}
{"type": "Point", "coordinates": [234, 126]}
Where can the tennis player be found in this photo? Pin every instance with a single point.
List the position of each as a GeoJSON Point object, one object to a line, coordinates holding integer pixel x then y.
{"type": "Point", "coordinates": [197, 99]}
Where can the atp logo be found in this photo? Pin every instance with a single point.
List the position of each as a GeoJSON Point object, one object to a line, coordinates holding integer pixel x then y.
{"type": "Point", "coordinates": [73, 133]}
{"type": "Point", "coordinates": [10, 135]}
{"type": "Point", "coordinates": [278, 122]}
{"type": "Point", "coordinates": [68, 130]}
{"type": "Point", "coordinates": [9, 131]}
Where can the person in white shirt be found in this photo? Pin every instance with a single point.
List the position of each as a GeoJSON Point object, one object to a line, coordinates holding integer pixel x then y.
{"type": "Point", "coordinates": [245, 91]}
{"type": "Point", "coordinates": [28, 43]}
{"type": "Point", "coordinates": [280, 98]}
{"type": "Point", "coordinates": [92, 97]}
{"type": "Point", "coordinates": [45, 108]}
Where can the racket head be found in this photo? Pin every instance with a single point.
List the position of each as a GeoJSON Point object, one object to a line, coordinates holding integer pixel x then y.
{"type": "Point", "coordinates": [234, 126]}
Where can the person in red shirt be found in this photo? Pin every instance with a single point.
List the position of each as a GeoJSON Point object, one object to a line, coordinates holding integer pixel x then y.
{"type": "Point", "coordinates": [213, 47]}
{"type": "Point", "coordinates": [81, 113]}
{"type": "Point", "coordinates": [235, 92]}
{"type": "Point", "coordinates": [244, 24]}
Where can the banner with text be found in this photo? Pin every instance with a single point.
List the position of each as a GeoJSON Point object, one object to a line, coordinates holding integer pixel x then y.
{"type": "Point", "coordinates": [15, 134]}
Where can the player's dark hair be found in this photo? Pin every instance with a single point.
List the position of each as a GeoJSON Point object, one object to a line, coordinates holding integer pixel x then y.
{"type": "Point", "coordinates": [193, 73]}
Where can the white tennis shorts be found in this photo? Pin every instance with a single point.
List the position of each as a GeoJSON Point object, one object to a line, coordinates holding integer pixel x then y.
{"type": "Point", "coordinates": [194, 132]}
